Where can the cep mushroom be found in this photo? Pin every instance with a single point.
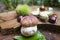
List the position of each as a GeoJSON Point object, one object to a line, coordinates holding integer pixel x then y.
{"type": "Point", "coordinates": [44, 16]}
{"type": "Point", "coordinates": [29, 25]}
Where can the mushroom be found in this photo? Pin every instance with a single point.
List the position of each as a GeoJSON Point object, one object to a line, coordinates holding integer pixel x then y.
{"type": "Point", "coordinates": [29, 25]}
{"type": "Point", "coordinates": [42, 8]}
{"type": "Point", "coordinates": [43, 16]}
{"type": "Point", "coordinates": [35, 12]}
{"type": "Point", "coordinates": [50, 11]}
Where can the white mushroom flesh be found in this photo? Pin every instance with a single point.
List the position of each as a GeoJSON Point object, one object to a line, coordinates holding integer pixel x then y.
{"type": "Point", "coordinates": [28, 31]}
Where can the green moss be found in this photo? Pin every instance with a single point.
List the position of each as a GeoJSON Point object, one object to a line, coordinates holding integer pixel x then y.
{"type": "Point", "coordinates": [37, 36]}
{"type": "Point", "coordinates": [22, 10]}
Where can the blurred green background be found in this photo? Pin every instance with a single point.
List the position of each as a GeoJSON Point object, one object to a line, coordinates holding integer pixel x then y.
{"type": "Point", "coordinates": [11, 4]}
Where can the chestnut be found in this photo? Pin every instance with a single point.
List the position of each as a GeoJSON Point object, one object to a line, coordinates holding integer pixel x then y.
{"type": "Point", "coordinates": [52, 18]}
{"type": "Point", "coordinates": [19, 18]}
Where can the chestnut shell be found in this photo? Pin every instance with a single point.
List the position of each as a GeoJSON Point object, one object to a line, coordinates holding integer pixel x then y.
{"type": "Point", "coordinates": [53, 18]}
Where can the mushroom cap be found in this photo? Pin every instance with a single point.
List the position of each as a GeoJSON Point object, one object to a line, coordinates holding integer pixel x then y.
{"type": "Point", "coordinates": [42, 8]}
{"type": "Point", "coordinates": [44, 16]}
{"type": "Point", "coordinates": [29, 21]}
{"type": "Point", "coordinates": [28, 31]}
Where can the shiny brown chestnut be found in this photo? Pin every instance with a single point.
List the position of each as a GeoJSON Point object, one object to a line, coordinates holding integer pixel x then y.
{"type": "Point", "coordinates": [52, 18]}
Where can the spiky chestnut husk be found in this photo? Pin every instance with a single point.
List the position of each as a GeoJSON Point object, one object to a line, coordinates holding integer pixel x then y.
{"type": "Point", "coordinates": [22, 10]}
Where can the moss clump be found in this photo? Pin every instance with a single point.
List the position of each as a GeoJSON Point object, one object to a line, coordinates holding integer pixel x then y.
{"type": "Point", "coordinates": [22, 10]}
{"type": "Point", "coordinates": [37, 36]}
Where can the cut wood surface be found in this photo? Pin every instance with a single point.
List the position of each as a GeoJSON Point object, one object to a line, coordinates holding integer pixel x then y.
{"type": "Point", "coordinates": [8, 15]}
{"type": "Point", "coordinates": [1, 21]}
{"type": "Point", "coordinates": [10, 24]}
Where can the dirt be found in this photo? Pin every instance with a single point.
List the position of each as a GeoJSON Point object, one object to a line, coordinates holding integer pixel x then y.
{"type": "Point", "coordinates": [48, 35]}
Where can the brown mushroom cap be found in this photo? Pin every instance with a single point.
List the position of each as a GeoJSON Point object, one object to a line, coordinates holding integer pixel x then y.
{"type": "Point", "coordinates": [29, 21]}
{"type": "Point", "coordinates": [42, 8]}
